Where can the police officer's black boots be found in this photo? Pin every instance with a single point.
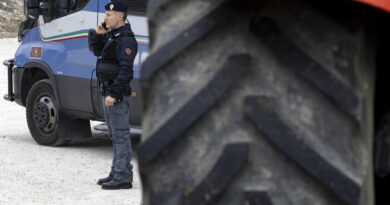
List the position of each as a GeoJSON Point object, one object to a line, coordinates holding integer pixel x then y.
{"type": "Point", "coordinates": [113, 184]}
{"type": "Point", "coordinates": [104, 180]}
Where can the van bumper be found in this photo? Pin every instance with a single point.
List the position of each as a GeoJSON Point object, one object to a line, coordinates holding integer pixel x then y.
{"type": "Point", "coordinates": [10, 95]}
{"type": "Point", "coordinates": [14, 79]}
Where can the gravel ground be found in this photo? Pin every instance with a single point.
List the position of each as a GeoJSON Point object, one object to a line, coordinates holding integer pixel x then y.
{"type": "Point", "coordinates": [34, 174]}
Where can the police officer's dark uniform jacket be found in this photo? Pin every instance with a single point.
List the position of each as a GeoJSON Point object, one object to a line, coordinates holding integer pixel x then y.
{"type": "Point", "coordinates": [117, 49]}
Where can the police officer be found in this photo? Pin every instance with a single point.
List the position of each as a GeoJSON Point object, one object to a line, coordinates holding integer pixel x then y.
{"type": "Point", "coordinates": [114, 42]}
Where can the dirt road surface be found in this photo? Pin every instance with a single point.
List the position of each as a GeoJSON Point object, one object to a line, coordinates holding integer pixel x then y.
{"type": "Point", "coordinates": [34, 174]}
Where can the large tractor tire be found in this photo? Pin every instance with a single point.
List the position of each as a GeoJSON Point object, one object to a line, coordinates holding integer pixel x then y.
{"type": "Point", "coordinates": [258, 103]}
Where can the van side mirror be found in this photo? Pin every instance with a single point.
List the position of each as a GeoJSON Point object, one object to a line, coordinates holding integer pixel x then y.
{"type": "Point", "coordinates": [32, 8]}
{"type": "Point", "coordinates": [43, 5]}
{"type": "Point", "coordinates": [45, 8]}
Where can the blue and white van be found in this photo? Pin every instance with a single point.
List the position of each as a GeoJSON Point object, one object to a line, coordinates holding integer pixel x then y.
{"type": "Point", "coordinates": [53, 73]}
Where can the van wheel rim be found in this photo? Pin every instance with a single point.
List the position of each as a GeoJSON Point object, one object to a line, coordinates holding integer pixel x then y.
{"type": "Point", "coordinates": [44, 114]}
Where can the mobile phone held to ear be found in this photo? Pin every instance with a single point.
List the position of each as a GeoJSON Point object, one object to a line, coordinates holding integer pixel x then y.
{"type": "Point", "coordinates": [104, 25]}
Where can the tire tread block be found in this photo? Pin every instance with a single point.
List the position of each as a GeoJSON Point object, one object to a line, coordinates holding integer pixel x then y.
{"type": "Point", "coordinates": [229, 163]}
{"type": "Point", "coordinates": [191, 35]}
{"type": "Point", "coordinates": [225, 78]}
{"type": "Point", "coordinates": [266, 31]}
{"type": "Point", "coordinates": [257, 198]}
{"type": "Point", "coordinates": [261, 111]}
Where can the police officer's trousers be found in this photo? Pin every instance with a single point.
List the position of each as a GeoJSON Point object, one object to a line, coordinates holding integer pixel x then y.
{"type": "Point", "coordinates": [117, 119]}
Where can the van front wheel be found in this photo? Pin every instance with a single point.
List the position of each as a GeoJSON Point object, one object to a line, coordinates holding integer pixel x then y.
{"type": "Point", "coordinates": [47, 124]}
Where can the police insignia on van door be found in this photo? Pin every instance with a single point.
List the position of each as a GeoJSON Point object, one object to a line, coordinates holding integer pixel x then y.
{"type": "Point", "coordinates": [36, 52]}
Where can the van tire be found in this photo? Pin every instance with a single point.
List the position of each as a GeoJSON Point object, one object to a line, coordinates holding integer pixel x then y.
{"type": "Point", "coordinates": [55, 128]}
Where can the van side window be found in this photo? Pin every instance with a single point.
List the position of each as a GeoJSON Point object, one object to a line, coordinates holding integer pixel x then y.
{"type": "Point", "coordinates": [80, 4]}
{"type": "Point", "coordinates": [65, 7]}
{"type": "Point", "coordinates": [137, 7]}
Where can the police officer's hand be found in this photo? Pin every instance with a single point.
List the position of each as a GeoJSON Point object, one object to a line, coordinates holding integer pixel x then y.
{"type": "Point", "coordinates": [109, 101]}
{"type": "Point", "coordinates": [100, 29]}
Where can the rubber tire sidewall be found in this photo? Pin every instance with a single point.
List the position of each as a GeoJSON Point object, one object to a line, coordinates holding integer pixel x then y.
{"type": "Point", "coordinates": [41, 88]}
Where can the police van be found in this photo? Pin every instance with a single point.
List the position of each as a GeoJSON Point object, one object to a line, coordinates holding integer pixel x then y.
{"type": "Point", "coordinates": [53, 73]}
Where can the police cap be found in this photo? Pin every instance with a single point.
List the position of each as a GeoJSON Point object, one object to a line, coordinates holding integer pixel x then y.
{"type": "Point", "coordinates": [116, 5]}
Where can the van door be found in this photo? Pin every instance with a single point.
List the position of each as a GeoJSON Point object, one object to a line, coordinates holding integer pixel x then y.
{"type": "Point", "coordinates": [65, 34]}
